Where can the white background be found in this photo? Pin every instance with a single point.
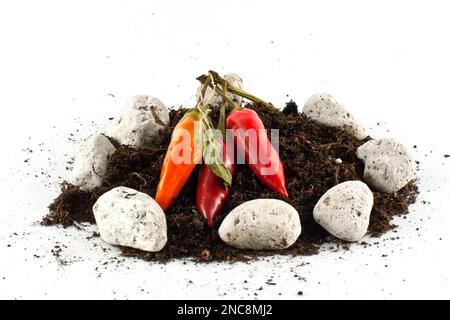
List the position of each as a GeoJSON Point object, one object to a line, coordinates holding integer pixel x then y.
{"type": "Point", "coordinates": [64, 64]}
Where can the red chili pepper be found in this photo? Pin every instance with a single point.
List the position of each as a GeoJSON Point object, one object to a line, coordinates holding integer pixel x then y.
{"type": "Point", "coordinates": [211, 190]}
{"type": "Point", "coordinates": [175, 172]}
{"type": "Point", "coordinates": [248, 120]}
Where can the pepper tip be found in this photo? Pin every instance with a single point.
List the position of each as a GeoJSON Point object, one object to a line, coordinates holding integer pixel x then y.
{"type": "Point", "coordinates": [210, 222]}
{"type": "Point", "coordinates": [284, 193]}
{"type": "Point", "coordinates": [162, 203]}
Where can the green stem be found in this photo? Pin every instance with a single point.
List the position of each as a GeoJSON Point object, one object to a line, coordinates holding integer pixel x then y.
{"type": "Point", "coordinates": [203, 88]}
{"type": "Point", "coordinates": [235, 90]}
{"type": "Point", "coordinates": [226, 98]}
{"type": "Point", "coordinates": [221, 125]}
{"type": "Point", "coordinates": [204, 78]}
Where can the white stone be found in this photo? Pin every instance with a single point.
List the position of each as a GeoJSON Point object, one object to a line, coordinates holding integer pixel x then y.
{"type": "Point", "coordinates": [388, 164]}
{"type": "Point", "coordinates": [324, 109]}
{"type": "Point", "coordinates": [344, 210]}
{"type": "Point", "coordinates": [261, 224]}
{"type": "Point", "coordinates": [130, 218]}
{"type": "Point", "coordinates": [140, 121]}
{"type": "Point", "coordinates": [213, 98]}
{"type": "Point", "coordinates": [91, 162]}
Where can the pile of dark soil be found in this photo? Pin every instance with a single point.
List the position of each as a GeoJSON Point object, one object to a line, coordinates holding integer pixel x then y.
{"type": "Point", "coordinates": [308, 151]}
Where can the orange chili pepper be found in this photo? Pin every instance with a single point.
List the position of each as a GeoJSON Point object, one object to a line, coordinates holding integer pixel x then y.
{"type": "Point", "coordinates": [178, 165]}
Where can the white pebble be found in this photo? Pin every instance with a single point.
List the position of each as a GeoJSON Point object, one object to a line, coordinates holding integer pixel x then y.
{"type": "Point", "coordinates": [388, 164]}
{"type": "Point", "coordinates": [140, 121]}
{"type": "Point", "coordinates": [324, 109]}
{"type": "Point", "coordinates": [213, 98]}
{"type": "Point", "coordinates": [344, 210]}
{"type": "Point", "coordinates": [338, 161]}
{"type": "Point", "coordinates": [261, 224]}
{"type": "Point", "coordinates": [91, 162]}
{"type": "Point", "coordinates": [130, 218]}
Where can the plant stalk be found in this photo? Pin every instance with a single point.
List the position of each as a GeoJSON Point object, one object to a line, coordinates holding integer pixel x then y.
{"type": "Point", "coordinates": [235, 90]}
{"type": "Point", "coordinates": [221, 124]}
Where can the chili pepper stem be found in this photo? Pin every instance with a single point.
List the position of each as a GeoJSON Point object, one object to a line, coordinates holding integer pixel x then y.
{"type": "Point", "coordinates": [227, 99]}
{"type": "Point", "coordinates": [236, 90]}
{"type": "Point", "coordinates": [221, 124]}
{"type": "Point", "coordinates": [212, 83]}
{"type": "Point", "coordinates": [204, 87]}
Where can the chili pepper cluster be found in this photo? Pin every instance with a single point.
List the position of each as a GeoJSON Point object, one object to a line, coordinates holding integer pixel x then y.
{"type": "Point", "coordinates": [132, 218]}
{"type": "Point", "coordinates": [218, 153]}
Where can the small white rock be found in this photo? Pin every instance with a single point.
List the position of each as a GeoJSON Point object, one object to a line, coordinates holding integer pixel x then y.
{"type": "Point", "coordinates": [91, 162]}
{"type": "Point", "coordinates": [388, 164]}
{"type": "Point", "coordinates": [130, 218]}
{"type": "Point", "coordinates": [344, 210]}
{"type": "Point", "coordinates": [324, 109]}
{"type": "Point", "coordinates": [235, 80]}
{"type": "Point", "coordinates": [261, 224]}
{"type": "Point", "coordinates": [338, 161]}
{"type": "Point", "coordinates": [140, 121]}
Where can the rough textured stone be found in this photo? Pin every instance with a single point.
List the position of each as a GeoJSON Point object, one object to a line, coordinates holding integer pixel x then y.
{"type": "Point", "coordinates": [388, 164]}
{"type": "Point", "coordinates": [344, 210]}
{"type": "Point", "coordinates": [91, 162]}
{"type": "Point", "coordinates": [140, 121]}
{"type": "Point", "coordinates": [130, 218]}
{"type": "Point", "coordinates": [261, 224]}
{"type": "Point", "coordinates": [324, 109]}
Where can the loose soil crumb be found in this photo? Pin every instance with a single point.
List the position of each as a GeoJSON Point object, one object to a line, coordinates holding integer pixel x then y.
{"type": "Point", "coordinates": [308, 151]}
